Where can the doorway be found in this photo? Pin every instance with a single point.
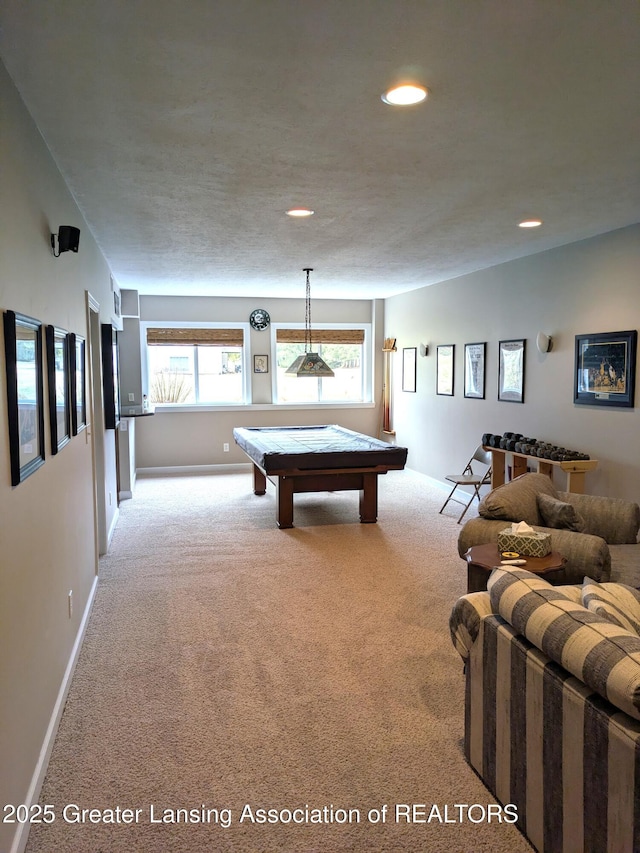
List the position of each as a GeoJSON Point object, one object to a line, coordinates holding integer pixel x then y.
{"type": "Point", "coordinates": [95, 413]}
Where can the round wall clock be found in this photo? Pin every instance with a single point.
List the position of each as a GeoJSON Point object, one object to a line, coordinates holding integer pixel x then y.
{"type": "Point", "coordinates": [259, 319]}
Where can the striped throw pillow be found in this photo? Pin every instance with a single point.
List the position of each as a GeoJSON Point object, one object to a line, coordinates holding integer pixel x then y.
{"type": "Point", "coordinates": [616, 602]}
{"type": "Point", "coordinates": [602, 655]}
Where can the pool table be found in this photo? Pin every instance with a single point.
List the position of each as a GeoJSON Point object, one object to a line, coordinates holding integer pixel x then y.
{"type": "Point", "coordinates": [318, 459]}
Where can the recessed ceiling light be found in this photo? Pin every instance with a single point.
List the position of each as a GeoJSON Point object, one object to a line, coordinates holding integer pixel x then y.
{"type": "Point", "coordinates": [530, 223]}
{"type": "Point", "coordinates": [300, 212]}
{"type": "Point", "coordinates": [405, 95]}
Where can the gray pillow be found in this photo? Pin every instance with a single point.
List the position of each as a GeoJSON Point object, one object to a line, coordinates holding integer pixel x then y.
{"type": "Point", "coordinates": [517, 500]}
{"type": "Point", "coordinates": [560, 515]}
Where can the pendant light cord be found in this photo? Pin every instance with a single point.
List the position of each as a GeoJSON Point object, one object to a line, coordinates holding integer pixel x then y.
{"type": "Point", "coordinates": [307, 314]}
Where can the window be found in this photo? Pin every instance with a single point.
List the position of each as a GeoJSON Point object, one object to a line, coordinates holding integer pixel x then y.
{"type": "Point", "coordinates": [195, 365]}
{"type": "Point", "coordinates": [343, 350]}
{"type": "Point", "coordinates": [179, 363]}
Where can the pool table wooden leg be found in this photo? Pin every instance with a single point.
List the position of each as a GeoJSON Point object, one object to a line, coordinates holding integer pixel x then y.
{"type": "Point", "coordinates": [259, 481]}
{"type": "Point", "coordinates": [369, 499]}
{"type": "Point", "coordinates": [284, 502]}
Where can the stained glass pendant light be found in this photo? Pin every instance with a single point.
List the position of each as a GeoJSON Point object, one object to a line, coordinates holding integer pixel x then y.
{"type": "Point", "coordinates": [309, 364]}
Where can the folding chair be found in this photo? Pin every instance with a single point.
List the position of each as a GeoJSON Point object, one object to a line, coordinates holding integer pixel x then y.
{"type": "Point", "coordinates": [470, 478]}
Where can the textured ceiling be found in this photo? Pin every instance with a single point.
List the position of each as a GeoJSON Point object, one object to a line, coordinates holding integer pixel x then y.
{"type": "Point", "coordinates": [185, 130]}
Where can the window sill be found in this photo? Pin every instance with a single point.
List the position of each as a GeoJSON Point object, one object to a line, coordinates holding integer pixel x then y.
{"type": "Point", "coordinates": [180, 408]}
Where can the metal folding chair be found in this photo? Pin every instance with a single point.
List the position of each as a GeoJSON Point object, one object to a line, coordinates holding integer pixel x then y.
{"type": "Point", "coordinates": [469, 477]}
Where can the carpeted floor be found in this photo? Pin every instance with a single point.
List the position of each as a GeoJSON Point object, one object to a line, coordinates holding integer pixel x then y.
{"type": "Point", "coordinates": [230, 667]}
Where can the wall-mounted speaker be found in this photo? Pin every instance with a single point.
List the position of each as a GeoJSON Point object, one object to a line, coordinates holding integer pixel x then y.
{"type": "Point", "coordinates": [68, 239]}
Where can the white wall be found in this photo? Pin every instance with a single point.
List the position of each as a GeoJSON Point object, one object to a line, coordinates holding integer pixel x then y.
{"type": "Point", "coordinates": [47, 544]}
{"type": "Point", "coordinates": [176, 439]}
{"type": "Point", "coordinates": [590, 286]}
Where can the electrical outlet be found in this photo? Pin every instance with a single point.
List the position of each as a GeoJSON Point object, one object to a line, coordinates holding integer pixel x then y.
{"type": "Point", "coordinates": [70, 599]}
{"type": "Point", "coordinates": [225, 447]}
{"type": "Point", "coordinates": [132, 396]}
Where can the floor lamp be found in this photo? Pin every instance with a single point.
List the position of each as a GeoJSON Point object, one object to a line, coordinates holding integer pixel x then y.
{"type": "Point", "coordinates": [387, 350]}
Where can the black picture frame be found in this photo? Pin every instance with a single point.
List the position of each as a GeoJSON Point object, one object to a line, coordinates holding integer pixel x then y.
{"type": "Point", "coordinates": [261, 364]}
{"type": "Point", "coordinates": [445, 369]}
{"type": "Point", "coordinates": [77, 382]}
{"type": "Point", "coordinates": [409, 369]}
{"type": "Point", "coordinates": [25, 394]}
{"type": "Point", "coordinates": [474, 373]}
{"type": "Point", "coordinates": [110, 376]}
{"type": "Point", "coordinates": [511, 370]}
{"type": "Point", "coordinates": [58, 388]}
{"type": "Point", "coordinates": [605, 369]}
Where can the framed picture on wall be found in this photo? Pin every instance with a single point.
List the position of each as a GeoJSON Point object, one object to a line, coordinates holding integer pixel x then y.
{"type": "Point", "coordinates": [409, 367]}
{"type": "Point", "coordinates": [77, 383]}
{"type": "Point", "coordinates": [444, 369]}
{"type": "Point", "coordinates": [110, 376]}
{"type": "Point", "coordinates": [261, 364]}
{"type": "Point", "coordinates": [511, 370]}
{"type": "Point", "coordinates": [57, 346]}
{"type": "Point", "coordinates": [25, 398]}
{"type": "Point", "coordinates": [605, 369]}
{"type": "Point", "coordinates": [474, 370]}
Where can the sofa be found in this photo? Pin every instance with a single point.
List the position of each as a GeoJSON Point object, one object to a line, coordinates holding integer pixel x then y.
{"type": "Point", "coordinates": [597, 535]}
{"type": "Point", "coordinates": [552, 707]}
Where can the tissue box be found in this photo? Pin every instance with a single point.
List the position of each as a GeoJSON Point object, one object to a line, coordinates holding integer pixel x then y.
{"type": "Point", "coordinates": [529, 545]}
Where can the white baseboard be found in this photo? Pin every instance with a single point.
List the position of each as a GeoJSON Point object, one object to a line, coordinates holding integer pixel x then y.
{"type": "Point", "coordinates": [114, 521]}
{"type": "Point", "coordinates": [238, 468]}
{"type": "Point", "coordinates": [127, 494]}
{"type": "Point", "coordinates": [191, 470]}
{"type": "Point", "coordinates": [443, 486]}
{"type": "Point", "coordinates": [438, 484]}
{"type": "Point", "coordinates": [22, 832]}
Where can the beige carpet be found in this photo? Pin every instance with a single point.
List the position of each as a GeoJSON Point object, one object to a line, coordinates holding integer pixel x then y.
{"type": "Point", "coordinates": [234, 666]}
